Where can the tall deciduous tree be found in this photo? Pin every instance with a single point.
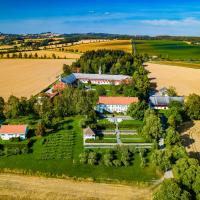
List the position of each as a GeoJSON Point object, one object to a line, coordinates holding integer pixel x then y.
{"type": "Point", "coordinates": [13, 107]}
{"type": "Point", "coordinates": [186, 170]}
{"type": "Point", "coordinates": [169, 189]}
{"type": "Point", "coordinates": [141, 81]}
{"type": "Point", "coordinates": [152, 128]}
{"type": "Point", "coordinates": [193, 106]}
{"type": "Point", "coordinates": [137, 110]}
{"type": "Point", "coordinates": [40, 128]}
{"type": "Point", "coordinates": [67, 69]}
{"type": "Point", "coordinates": [171, 91]}
{"type": "Point", "coordinates": [172, 136]}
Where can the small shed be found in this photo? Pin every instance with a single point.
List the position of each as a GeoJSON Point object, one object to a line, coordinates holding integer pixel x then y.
{"type": "Point", "coordinates": [88, 133]}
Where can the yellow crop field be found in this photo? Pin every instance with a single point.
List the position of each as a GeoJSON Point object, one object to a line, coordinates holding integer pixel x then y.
{"type": "Point", "coordinates": [6, 46]}
{"type": "Point", "coordinates": [124, 45]}
{"type": "Point", "coordinates": [26, 77]}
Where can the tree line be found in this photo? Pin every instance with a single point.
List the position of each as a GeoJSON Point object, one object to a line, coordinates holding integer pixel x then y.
{"type": "Point", "coordinates": [30, 56]}
{"type": "Point", "coordinates": [73, 101]}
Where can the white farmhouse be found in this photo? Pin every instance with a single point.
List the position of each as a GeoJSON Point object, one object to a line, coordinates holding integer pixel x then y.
{"type": "Point", "coordinates": [115, 104]}
{"type": "Point", "coordinates": [88, 133]}
{"type": "Point", "coordinates": [13, 131]}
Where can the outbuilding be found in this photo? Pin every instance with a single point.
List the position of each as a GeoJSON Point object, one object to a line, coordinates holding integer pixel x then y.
{"type": "Point", "coordinates": [13, 131]}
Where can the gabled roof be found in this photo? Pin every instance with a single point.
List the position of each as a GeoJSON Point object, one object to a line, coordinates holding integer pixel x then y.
{"type": "Point", "coordinates": [13, 129]}
{"type": "Point", "coordinates": [101, 77]}
{"type": "Point", "coordinates": [164, 100]}
{"type": "Point", "coordinates": [73, 77]}
{"type": "Point", "coordinates": [69, 79]}
{"type": "Point", "coordinates": [88, 131]}
{"type": "Point", "coordinates": [59, 86]}
{"type": "Point", "coordinates": [117, 100]}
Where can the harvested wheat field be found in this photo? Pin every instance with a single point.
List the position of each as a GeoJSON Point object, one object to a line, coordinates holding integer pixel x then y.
{"type": "Point", "coordinates": [21, 77]}
{"type": "Point", "coordinates": [39, 188]}
{"type": "Point", "coordinates": [185, 80]}
{"type": "Point", "coordinates": [191, 138]}
{"type": "Point", "coordinates": [124, 45]}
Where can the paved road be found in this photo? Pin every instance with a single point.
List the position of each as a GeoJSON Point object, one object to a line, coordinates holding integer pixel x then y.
{"type": "Point", "coordinates": [117, 132]}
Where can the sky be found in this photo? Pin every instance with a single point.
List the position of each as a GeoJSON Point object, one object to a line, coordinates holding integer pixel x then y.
{"type": "Point", "coordinates": [135, 17]}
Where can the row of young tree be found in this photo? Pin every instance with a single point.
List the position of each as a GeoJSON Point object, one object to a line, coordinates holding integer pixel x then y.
{"type": "Point", "coordinates": [30, 56]}
{"type": "Point", "coordinates": [117, 157]}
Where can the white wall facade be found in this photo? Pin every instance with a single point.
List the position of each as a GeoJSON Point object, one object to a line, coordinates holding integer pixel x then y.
{"type": "Point", "coordinates": [100, 82]}
{"type": "Point", "coordinates": [119, 108]}
{"type": "Point", "coordinates": [9, 136]}
{"type": "Point", "coordinates": [89, 137]}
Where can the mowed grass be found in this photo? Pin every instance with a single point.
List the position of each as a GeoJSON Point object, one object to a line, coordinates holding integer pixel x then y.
{"type": "Point", "coordinates": [124, 45]}
{"type": "Point", "coordinates": [175, 50]}
{"type": "Point", "coordinates": [71, 166]}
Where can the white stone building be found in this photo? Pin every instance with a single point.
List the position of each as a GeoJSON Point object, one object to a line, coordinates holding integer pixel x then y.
{"type": "Point", "coordinates": [97, 79]}
{"type": "Point", "coordinates": [115, 104]}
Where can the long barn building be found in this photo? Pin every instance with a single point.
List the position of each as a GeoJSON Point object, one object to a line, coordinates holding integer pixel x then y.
{"type": "Point", "coordinates": [98, 79]}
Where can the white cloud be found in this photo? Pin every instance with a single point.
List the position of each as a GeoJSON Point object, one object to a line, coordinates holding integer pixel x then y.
{"type": "Point", "coordinates": [167, 22]}
{"type": "Point", "coordinates": [107, 13]}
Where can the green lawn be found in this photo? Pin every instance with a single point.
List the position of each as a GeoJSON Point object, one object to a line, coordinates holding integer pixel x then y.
{"type": "Point", "coordinates": [132, 140]}
{"type": "Point", "coordinates": [70, 166]}
{"type": "Point", "coordinates": [104, 124]}
{"type": "Point", "coordinates": [174, 50]}
{"type": "Point", "coordinates": [130, 124]}
{"type": "Point", "coordinates": [109, 136]}
{"type": "Point", "coordinates": [111, 90]}
{"type": "Point", "coordinates": [106, 140]}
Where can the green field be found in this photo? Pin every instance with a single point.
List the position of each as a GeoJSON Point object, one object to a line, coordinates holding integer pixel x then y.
{"type": "Point", "coordinates": [130, 124]}
{"type": "Point", "coordinates": [168, 49]}
{"type": "Point", "coordinates": [174, 50]}
{"type": "Point", "coordinates": [66, 160]}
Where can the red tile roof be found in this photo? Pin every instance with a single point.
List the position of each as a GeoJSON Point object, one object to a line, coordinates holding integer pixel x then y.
{"type": "Point", "coordinates": [13, 129]}
{"type": "Point", "coordinates": [59, 86]}
{"type": "Point", "coordinates": [117, 100]}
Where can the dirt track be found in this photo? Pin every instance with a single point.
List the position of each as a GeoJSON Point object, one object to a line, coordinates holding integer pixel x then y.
{"type": "Point", "coordinates": [15, 187]}
{"type": "Point", "coordinates": [26, 77]}
{"type": "Point", "coordinates": [185, 80]}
